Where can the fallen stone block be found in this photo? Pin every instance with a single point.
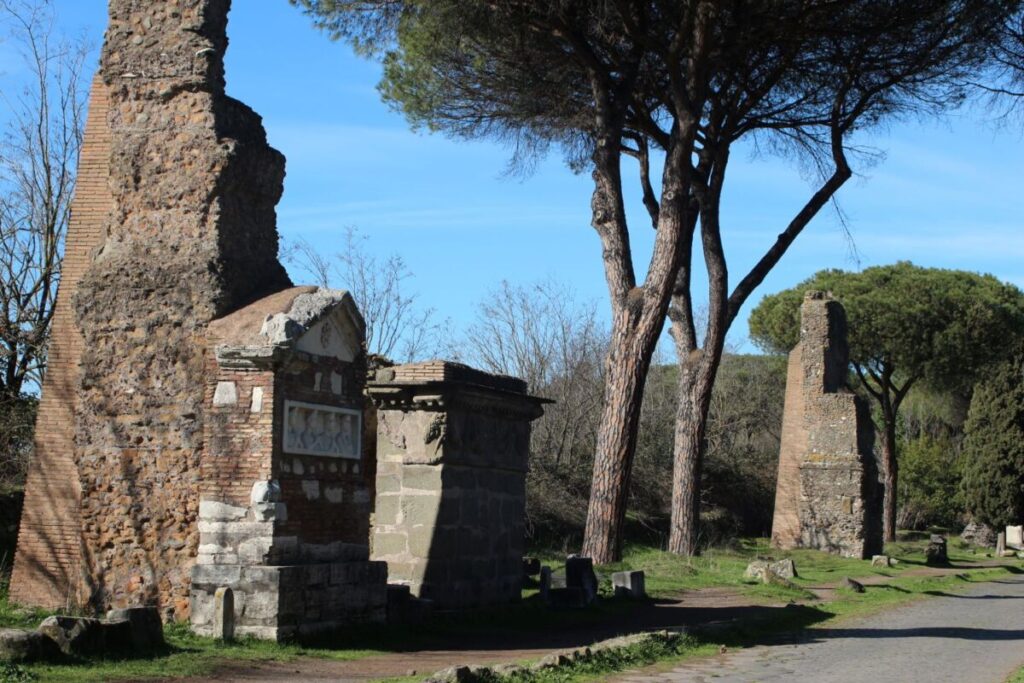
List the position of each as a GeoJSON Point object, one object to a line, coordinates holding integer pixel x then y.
{"type": "Point", "coordinates": [881, 561]}
{"type": "Point", "coordinates": [757, 570]}
{"type": "Point", "coordinates": [147, 631]}
{"type": "Point", "coordinates": [785, 568]}
{"type": "Point", "coordinates": [74, 635]}
{"type": "Point", "coordinates": [629, 585]}
{"type": "Point", "coordinates": [17, 645]}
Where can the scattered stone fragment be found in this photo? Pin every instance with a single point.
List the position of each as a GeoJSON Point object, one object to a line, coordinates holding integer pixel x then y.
{"type": "Point", "coordinates": [74, 635]}
{"type": "Point", "coordinates": [755, 570]}
{"type": "Point", "coordinates": [453, 674]}
{"type": "Point", "coordinates": [785, 568]}
{"type": "Point", "coordinates": [17, 645]}
{"type": "Point", "coordinates": [758, 570]}
{"type": "Point", "coordinates": [881, 561]}
{"type": "Point", "coordinates": [855, 586]}
{"type": "Point", "coordinates": [629, 585]}
{"type": "Point", "coordinates": [147, 631]}
{"type": "Point", "coordinates": [979, 534]}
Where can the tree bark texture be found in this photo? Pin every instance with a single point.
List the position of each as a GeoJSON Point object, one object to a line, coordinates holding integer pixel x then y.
{"type": "Point", "coordinates": [890, 476]}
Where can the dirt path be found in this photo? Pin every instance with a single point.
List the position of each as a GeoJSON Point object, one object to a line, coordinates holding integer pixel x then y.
{"type": "Point", "coordinates": [971, 636]}
{"type": "Point", "coordinates": [698, 607]}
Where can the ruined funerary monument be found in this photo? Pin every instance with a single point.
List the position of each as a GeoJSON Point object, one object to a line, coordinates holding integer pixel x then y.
{"type": "Point", "coordinates": [828, 494]}
{"type": "Point", "coordinates": [203, 423]}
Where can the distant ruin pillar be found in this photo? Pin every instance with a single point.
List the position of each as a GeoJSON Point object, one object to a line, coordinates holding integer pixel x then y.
{"type": "Point", "coordinates": [187, 234]}
{"type": "Point", "coordinates": [452, 449]}
{"type": "Point", "coordinates": [828, 494]}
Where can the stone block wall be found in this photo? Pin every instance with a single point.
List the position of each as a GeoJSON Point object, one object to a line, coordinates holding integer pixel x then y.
{"type": "Point", "coordinates": [452, 449]}
{"type": "Point", "coordinates": [828, 495]}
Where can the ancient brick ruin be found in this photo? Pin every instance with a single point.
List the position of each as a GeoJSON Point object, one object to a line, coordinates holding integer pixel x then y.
{"type": "Point", "coordinates": [285, 494]}
{"type": "Point", "coordinates": [452, 449]}
{"type": "Point", "coordinates": [828, 495]}
{"type": "Point", "coordinates": [203, 430]}
{"type": "Point", "coordinates": [47, 566]}
{"type": "Point", "coordinates": [187, 235]}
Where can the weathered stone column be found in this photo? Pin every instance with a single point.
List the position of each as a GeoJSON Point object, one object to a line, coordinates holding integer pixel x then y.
{"type": "Point", "coordinates": [452, 450]}
{"type": "Point", "coordinates": [828, 495]}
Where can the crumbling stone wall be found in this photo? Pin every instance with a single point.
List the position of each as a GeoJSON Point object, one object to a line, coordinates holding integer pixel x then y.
{"type": "Point", "coordinates": [835, 501]}
{"type": "Point", "coordinates": [452, 449]}
{"type": "Point", "coordinates": [190, 236]}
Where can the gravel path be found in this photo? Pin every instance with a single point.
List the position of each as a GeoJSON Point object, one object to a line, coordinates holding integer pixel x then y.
{"type": "Point", "coordinates": [976, 636]}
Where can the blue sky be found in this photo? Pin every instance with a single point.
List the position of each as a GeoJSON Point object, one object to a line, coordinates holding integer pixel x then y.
{"type": "Point", "coordinates": [948, 194]}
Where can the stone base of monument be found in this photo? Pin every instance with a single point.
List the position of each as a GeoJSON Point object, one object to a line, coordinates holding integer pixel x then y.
{"type": "Point", "coordinates": [285, 602]}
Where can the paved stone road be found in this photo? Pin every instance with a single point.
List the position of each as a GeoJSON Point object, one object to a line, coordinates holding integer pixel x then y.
{"type": "Point", "coordinates": [975, 636]}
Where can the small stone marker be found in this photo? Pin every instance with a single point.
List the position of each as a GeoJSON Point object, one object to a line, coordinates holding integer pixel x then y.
{"type": "Point", "coordinates": [545, 583]}
{"type": "Point", "coordinates": [881, 561]}
{"type": "Point", "coordinates": [531, 566]}
{"type": "Point", "coordinates": [935, 553]}
{"type": "Point", "coordinates": [1000, 544]}
{"type": "Point", "coordinates": [1015, 537]}
{"type": "Point", "coordinates": [579, 574]}
{"type": "Point", "coordinates": [224, 614]}
{"type": "Point", "coordinates": [629, 585]}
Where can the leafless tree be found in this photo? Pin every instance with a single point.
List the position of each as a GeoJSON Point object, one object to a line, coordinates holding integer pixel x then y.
{"type": "Point", "coordinates": [41, 136]}
{"type": "Point", "coordinates": [397, 327]}
{"type": "Point", "coordinates": [543, 334]}
{"type": "Point", "coordinates": [38, 157]}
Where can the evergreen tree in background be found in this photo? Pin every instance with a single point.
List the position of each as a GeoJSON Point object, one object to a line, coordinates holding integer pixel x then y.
{"type": "Point", "coordinates": [994, 448]}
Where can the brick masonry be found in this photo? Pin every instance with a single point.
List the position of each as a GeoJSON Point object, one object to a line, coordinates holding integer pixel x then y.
{"type": "Point", "coordinates": [828, 494]}
{"type": "Point", "coordinates": [47, 565]}
{"type": "Point", "coordinates": [285, 491]}
{"type": "Point", "coordinates": [452, 448]}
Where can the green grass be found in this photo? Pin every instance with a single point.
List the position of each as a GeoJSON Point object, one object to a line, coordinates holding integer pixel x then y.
{"type": "Point", "coordinates": [667, 576]}
{"type": "Point", "coordinates": [1017, 676]}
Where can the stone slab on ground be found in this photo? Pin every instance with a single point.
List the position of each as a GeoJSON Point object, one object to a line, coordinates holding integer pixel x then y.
{"type": "Point", "coordinates": [17, 645]}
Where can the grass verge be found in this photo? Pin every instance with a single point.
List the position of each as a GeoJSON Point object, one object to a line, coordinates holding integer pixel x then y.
{"type": "Point", "coordinates": [667, 576]}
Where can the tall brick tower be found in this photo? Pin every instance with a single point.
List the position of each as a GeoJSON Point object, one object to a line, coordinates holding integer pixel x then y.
{"type": "Point", "coordinates": [173, 225]}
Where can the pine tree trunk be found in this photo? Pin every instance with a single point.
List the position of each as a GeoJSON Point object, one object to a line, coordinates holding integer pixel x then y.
{"type": "Point", "coordinates": [687, 459]}
{"type": "Point", "coordinates": [626, 370]}
{"type": "Point", "coordinates": [890, 478]}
